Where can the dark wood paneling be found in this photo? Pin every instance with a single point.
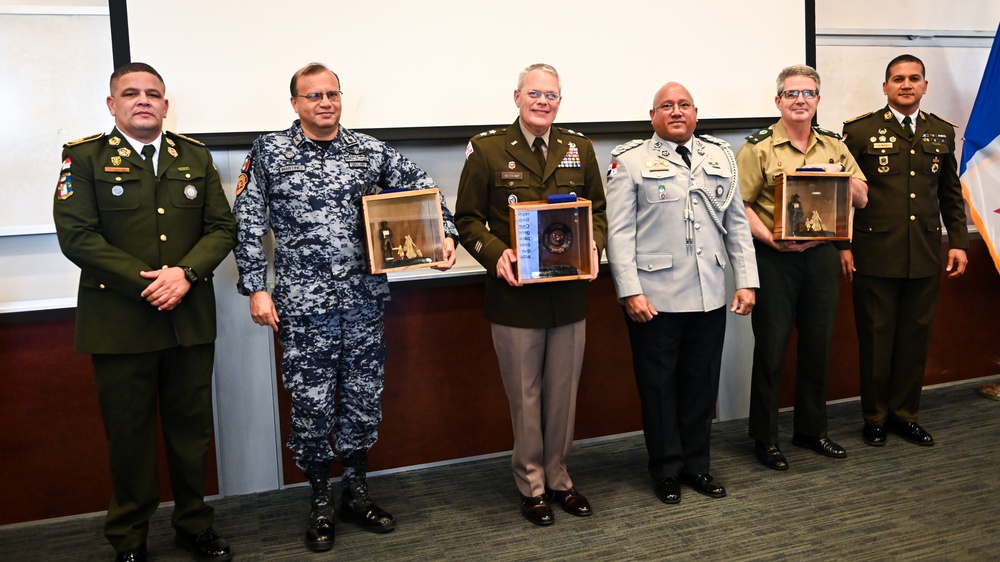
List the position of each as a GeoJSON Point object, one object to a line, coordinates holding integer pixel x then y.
{"type": "Point", "coordinates": [443, 397]}
{"type": "Point", "coordinates": [53, 452]}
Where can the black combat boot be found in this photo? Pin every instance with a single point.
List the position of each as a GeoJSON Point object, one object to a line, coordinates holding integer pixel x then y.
{"type": "Point", "coordinates": [319, 533]}
{"type": "Point", "coordinates": [355, 505]}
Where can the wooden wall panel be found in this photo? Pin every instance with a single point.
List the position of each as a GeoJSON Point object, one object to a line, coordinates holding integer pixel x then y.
{"type": "Point", "coordinates": [53, 452]}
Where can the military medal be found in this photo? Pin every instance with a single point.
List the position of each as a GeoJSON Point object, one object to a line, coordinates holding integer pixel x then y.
{"type": "Point", "coordinates": [883, 160]}
{"type": "Point", "coordinates": [114, 141]}
{"type": "Point", "coordinates": [892, 139]}
{"type": "Point", "coordinates": [557, 238]}
{"type": "Point", "coordinates": [172, 151]}
{"type": "Point", "coordinates": [883, 169]}
{"type": "Point", "coordinates": [873, 139]}
{"type": "Point", "coordinates": [117, 191]}
{"type": "Point", "coordinates": [934, 168]}
{"type": "Point", "coordinates": [124, 152]}
{"type": "Point", "coordinates": [881, 138]}
{"type": "Point", "coordinates": [169, 141]}
{"type": "Point", "coordinates": [190, 192]}
{"type": "Point", "coordinates": [511, 165]}
{"type": "Point", "coordinates": [116, 160]}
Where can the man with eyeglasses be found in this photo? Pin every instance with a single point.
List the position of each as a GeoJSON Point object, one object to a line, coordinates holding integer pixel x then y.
{"type": "Point", "coordinates": [539, 330]}
{"type": "Point", "coordinates": [673, 287]}
{"type": "Point", "coordinates": [799, 284]}
{"type": "Point", "coordinates": [305, 184]}
{"type": "Point", "coordinates": [909, 158]}
{"type": "Point", "coordinates": [142, 212]}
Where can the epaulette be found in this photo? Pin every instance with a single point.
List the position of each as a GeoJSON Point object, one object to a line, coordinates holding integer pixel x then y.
{"type": "Point", "coordinates": [714, 140]}
{"type": "Point", "coordinates": [189, 139]}
{"type": "Point", "coordinates": [826, 132]}
{"type": "Point", "coordinates": [760, 135]}
{"type": "Point", "coordinates": [490, 133]}
{"type": "Point", "coordinates": [84, 139]}
{"type": "Point", "coordinates": [853, 119]}
{"type": "Point", "coordinates": [572, 132]}
{"type": "Point", "coordinates": [625, 147]}
{"type": "Point", "coordinates": [943, 119]}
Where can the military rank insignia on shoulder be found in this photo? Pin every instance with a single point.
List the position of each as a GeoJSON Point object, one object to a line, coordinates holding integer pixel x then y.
{"type": "Point", "coordinates": [859, 117]}
{"type": "Point", "coordinates": [572, 132]}
{"type": "Point", "coordinates": [826, 132]}
{"type": "Point", "coordinates": [713, 140]}
{"type": "Point", "coordinates": [189, 139]}
{"type": "Point", "coordinates": [760, 135]}
{"type": "Point", "coordinates": [489, 133]}
{"type": "Point", "coordinates": [939, 118]}
{"type": "Point", "coordinates": [625, 147]}
{"type": "Point", "coordinates": [84, 139]}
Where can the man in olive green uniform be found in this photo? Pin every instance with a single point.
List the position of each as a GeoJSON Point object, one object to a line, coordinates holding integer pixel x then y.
{"type": "Point", "coordinates": [142, 213]}
{"type": "Point", "coordinates": [539, 329]}
{"type": "Point", "coordinates": [909, 158]}
{"type": "Point", "coordinates": [798, 280]}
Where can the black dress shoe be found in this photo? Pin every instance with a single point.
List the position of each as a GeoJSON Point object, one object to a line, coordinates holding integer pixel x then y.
{"type": "Point", "coordinates": [912, 432]}
{"type": "Point", "coordinates": [537, 510]}
{"type": "Point", "coordinates": [874, 435]}
{"type": "Point", "coordinates": [356, 507]}
{"type": "Point", "coordinates": [668, 490]}
{"type": "Point", "coordinates": [770, 456]}
{"type": "Point", "coordinates": [821, 445]}
{"type": "Point", "coordinates": [205, 544]}
{"type": "Point", "coordinates": [702, 483]}
{"type": "Point", "coordinates": [573, 502]}
{"type": "Point", "coordinates": [134, 555]}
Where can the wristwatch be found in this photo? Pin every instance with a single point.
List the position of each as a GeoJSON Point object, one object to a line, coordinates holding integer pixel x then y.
{"type": "Point", "coordinates": [189, 274]}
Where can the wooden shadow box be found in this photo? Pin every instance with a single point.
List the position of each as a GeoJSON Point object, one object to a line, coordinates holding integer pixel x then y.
{"type": "Point", "coordinates": [552, 240]}
{"type": "Point", "coordinates": [404, 230]}
{"type": "Point", "coordinates": [812, 206]}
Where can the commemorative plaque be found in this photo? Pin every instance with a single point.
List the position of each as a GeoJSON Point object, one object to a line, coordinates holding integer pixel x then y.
{"type": "Point", "coordinates": [404, 230]}
{"type": "Point", "coordinates": [552, 240]}
{"type": "Point", "coordinates": [812, 206]}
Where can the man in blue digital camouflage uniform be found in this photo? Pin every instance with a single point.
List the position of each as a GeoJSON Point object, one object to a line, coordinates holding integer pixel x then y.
{"type": "Point", "coordinates": [307, 184]}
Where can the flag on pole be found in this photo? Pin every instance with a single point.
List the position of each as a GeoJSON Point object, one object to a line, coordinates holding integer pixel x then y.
{"type": "Point", "coordinates": [980, 166]}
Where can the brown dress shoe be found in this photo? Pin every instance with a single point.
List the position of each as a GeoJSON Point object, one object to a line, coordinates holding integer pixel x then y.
{"type": "Point", "coordinates": [990, 390]}
{"type": "Point", "coordinates": [537, 510]}
{"type": "Point", "coordinates": [573, 502]}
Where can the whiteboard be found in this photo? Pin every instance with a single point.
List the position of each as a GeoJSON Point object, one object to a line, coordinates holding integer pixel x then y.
{"type": "Point", "coordinates": [55, 71]}
{"type": "Point", "coordinates": [453, 63]}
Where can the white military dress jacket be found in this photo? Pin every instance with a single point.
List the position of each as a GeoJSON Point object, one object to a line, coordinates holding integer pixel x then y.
{"type": "Point", "coordinates": [672, 232]}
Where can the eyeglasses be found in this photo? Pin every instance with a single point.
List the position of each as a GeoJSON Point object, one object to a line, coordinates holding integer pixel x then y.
{"type": "Point", "coordinates": [535, 94]}
{"type": "Point", "coordinates": [333, 95]}
{"type": "Point", "coordinates": [794, 94]}
{"type": "Point", "coordinates": [683, 106]}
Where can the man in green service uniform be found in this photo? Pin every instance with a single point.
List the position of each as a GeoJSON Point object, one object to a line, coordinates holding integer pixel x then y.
{"type": "Point", "coordinates": [539, 330]}
{"type": "Point", "coordinates": [909, 158]}
{"type": "Point", "coordinates": [798, 280]}
{"type": "Point", "coordinates": [141, 211]}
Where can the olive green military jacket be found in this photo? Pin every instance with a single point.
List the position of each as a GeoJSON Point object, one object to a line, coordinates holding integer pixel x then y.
{"type": "Point", "coordinates": [115, 218]}
{"type": "Point", "coordinates": [912, 186]}
{"type": "Point", "coordinates": [500, 168]}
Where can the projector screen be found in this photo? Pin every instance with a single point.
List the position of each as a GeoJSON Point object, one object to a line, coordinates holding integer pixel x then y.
{"type": "Point", "coordinates": [454, 64]}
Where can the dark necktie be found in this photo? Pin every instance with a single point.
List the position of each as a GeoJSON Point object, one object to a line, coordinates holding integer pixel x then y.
{"type": "Point", "coordinates": [539, 152]}
{"type": "Point", "coordinates": [906, 126]}
{"type": "Point", "coordinates": [147, 153]}
{"type": "Point", "coordinates": [685, 154]}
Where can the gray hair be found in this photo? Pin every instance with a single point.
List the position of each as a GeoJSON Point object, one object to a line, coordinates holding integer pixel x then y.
{"type": "Point", "coordinates": [538, 66]}
{"type": "Point", "coordinates": [796, 70]}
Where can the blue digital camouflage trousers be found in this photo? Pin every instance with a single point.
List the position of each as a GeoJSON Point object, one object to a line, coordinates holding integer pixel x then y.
{"type": "Point", "coordinates": [333, 366]}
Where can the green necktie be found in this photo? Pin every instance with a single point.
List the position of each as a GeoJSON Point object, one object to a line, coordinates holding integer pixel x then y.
{"type": "Point", "coordinates": [539, 152]}
{"type": "Point", "coordinates": [906, 126]}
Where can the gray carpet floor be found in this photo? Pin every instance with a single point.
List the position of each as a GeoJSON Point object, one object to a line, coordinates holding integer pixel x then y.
{"type": "Point", "coordinates": [898, 502]}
